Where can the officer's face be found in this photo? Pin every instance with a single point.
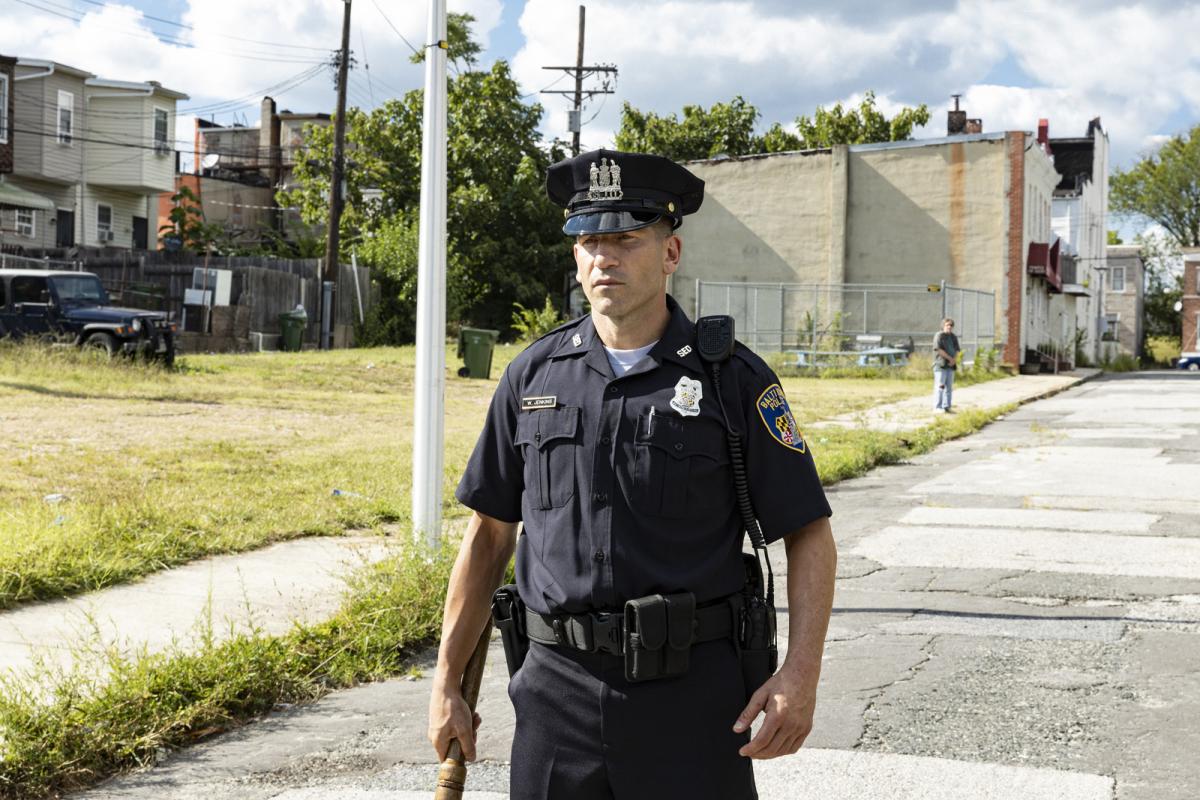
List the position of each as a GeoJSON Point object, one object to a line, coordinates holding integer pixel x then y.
{"type": "Point", "coordinates": [621, 273]}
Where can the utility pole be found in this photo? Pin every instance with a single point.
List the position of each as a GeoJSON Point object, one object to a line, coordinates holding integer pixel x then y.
{"type": "Point", "coordinates": [430, 383]}
{"type": "Point", "coordinates": [579, 72]}
{"type": "Point", "coordinates": [336, 201]}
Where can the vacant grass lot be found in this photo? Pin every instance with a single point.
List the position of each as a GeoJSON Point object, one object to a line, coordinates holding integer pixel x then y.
{"type": "Point", "coordinates": [117, 470]}
{"type": "Point", "coordinates": [230, 453]}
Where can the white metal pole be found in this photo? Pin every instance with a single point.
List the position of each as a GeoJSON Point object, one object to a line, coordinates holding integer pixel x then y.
{"type": "Point", "coordinates": [429, 389]}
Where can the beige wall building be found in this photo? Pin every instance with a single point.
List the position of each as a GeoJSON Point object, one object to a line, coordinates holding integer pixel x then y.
{"type": "Point", "coordinates": [972, 210]}
{"type": "Point", "coordinates": [1124, 299]}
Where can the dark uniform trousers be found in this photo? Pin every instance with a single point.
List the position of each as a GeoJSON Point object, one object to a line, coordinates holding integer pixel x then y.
{"type": "Point", "coordinates": [585, 733]}
{"type": "Point", "coordinates": [624, 488]}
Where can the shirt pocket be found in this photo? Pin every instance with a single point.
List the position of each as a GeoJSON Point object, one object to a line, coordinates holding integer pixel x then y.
{"type": "Point", "coordinates": [549, 438]}
{"type": "Point", "coordinates": [681, 466]}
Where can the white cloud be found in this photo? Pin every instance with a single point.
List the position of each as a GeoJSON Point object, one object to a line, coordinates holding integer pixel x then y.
{"type": "Point", "coordinates": [116, 41]}
{"type": "Point", "coordinates": [1132, 64]}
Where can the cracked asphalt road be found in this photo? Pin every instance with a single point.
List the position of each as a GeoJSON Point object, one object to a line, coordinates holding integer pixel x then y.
{"type": "Point", "coordinates": [1016, 617]}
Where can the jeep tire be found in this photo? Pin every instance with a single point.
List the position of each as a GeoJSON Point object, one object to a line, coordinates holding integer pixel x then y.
{"type": "Point", "coordinates": [101, 341]}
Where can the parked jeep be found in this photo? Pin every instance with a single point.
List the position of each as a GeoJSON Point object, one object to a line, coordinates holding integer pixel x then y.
{"type": "Point", "coordinates": [73, 307]}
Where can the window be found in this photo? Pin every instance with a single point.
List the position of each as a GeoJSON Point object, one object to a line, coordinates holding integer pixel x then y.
{"type": "Point", "coordinates": [1112, 324]}
{"type": "Point", "coordinates": [161, 120]}
{"type": "Point", "coordinates": [3, 109]}
{"type": "Point", "coordinates": [1118, 279]}
{"type": "Point", "coordinates": [30, 289]}
{"type": "Point", "coordinates": [66, 116]}
{"type": "Point", "coordinates": [26, 222]}
{"type": "Point", "coordinates": [104, 223]}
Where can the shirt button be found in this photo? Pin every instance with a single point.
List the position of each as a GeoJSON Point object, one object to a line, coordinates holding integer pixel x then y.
{"type": "Point", "coordinates": [606, 440]}
{"type": "Point", "coordinates": [678, 446]}
{"type": "Point", "coordinates": [598, 556]}
{"type": "Point", "coordinates": [600, 497]}
{"type": "Point", "coordinates": [612, 390]}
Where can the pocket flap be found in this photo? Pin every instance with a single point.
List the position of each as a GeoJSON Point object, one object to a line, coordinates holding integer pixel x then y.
{"type": "Point", "coordinates": [684, 438]}
{"type": "Point", "coordinates": [545, 425]}
{"type": "Point", "coordinates": [650, 618]}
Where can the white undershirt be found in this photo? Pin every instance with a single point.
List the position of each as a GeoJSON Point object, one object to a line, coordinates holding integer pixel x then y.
{"type": "Point", "coordinates": [623, 360]}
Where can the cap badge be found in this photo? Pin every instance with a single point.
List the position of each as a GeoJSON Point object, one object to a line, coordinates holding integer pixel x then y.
{"type": "Point", "coordinates": [605, 181]}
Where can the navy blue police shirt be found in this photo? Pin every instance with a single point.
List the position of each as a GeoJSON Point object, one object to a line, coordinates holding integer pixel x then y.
{"type": "Point", "coordinates": [623, 485]}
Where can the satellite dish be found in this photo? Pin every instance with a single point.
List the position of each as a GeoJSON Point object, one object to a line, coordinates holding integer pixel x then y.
{"type": "Point", "coordinates": [209, 161]}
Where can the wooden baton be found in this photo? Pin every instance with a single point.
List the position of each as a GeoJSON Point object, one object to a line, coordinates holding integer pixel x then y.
{"type": "Point", "coordinates": [452, 775]}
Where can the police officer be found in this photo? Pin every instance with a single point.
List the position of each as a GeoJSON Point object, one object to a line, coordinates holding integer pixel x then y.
{"type": "Point", "coordinates": [606, 442]}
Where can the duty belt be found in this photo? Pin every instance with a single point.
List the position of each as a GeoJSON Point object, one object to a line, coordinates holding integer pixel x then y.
{"type": "Point", "coordinates": [604, 632]}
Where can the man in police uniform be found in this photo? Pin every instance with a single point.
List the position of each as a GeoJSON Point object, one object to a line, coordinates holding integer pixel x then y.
{"type": "Point", "coordinates": [606, 442]}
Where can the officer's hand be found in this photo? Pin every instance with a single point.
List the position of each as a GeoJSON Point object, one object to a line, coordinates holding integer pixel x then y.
{"type": "Point", "coordinates": [451, 718]}
{"type": "Point", "coordinates": [789, 702]}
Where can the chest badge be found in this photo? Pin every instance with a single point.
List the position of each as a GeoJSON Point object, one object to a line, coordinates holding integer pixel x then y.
{"type": "Point", "coordinates": [683, 351]}
{"type": "Point", "coordinates": [688, 394]}
{"type": "Point", "coordinates": [577, 340]}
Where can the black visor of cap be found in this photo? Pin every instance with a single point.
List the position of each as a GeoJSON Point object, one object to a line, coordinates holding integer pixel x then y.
{"type": "Point", "coordinates": [610, 222]}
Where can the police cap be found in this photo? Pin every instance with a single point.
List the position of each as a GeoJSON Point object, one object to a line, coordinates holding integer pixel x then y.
{"type": "Point", "coordinates": [607, 191]}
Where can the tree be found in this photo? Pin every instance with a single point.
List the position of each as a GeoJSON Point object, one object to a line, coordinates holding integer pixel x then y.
{"type": "Point", "coordinates": [1165, 188]}
{"type": "Point", "coordinates": [1115, 238]}
{"type": "Point", "coordinates": [1164, 285]}
{"type": "Point", "coordinates": [186, 224]}
{"type": "Point", "coordinates": [504, 237]}
{"type": "Point", "coordinates": [728, 129]}
{"type": "Point", "coordinates": [862, 125]}
{"type": "Point", "coordinates": [459, 44]}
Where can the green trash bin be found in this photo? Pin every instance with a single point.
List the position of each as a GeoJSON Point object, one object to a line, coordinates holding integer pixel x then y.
{"type": "Point", "coordinates": [291, 329]}
{"type": "Point", "coordinates": [475, 347]}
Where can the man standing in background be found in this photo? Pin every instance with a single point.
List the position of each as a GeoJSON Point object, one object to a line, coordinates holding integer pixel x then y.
{"type": "Point", "coordinates": [945, 361]}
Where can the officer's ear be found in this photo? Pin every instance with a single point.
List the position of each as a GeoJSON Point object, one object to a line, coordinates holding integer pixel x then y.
{"type": "Point", "coordinates": [673, 250]}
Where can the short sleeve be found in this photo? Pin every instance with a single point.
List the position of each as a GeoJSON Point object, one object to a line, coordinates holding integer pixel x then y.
{"type": "Point", "coordinates": [494, 479]}
{"type": "Point", "coordinates": [784, 486]}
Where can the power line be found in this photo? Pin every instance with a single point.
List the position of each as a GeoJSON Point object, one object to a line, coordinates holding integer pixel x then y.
{"type": "Point", "coordinates": [74, 17]}
{"type": "Point", "coordinates": [224, 35]}
{"type": "Point", "coordinates": [415, 51]}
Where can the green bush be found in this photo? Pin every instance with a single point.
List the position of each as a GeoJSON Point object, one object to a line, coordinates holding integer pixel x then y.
{"type": "Point", "coordinates": [1121, 363]}
{"type": "Point", "coordinates": [532, 324]}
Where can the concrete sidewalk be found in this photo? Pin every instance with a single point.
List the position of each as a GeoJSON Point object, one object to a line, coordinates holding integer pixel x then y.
{"type": "Point", "coordinates": [268, 590]}
{"type": "Point", "coordinates": [917, 412]}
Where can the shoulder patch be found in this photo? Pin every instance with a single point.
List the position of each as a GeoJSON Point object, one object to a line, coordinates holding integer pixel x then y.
{"type": "Point", "coordinates": [777, 417]}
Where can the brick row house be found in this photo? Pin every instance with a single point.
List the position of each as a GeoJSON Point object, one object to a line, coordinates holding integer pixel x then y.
{"type": "Point", "coordinates": [90, 157]}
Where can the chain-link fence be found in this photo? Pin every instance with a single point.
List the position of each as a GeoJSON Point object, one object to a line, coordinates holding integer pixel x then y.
{"type": "Point", "coordinates": [829, 319]}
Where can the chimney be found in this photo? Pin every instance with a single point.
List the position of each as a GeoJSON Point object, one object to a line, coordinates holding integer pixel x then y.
{"type": "Point", "coordinates": [956, 120]}
{"type": "Point", "coordinates": [1043, 135]}
{"type": "Point", "coordinates": [975, 125]}
{"type": "Point", "coordinates": [265, 144]}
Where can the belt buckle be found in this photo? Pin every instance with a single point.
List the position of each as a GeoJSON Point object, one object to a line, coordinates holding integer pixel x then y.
{"type": "Point", "coordinates": [607, 634]}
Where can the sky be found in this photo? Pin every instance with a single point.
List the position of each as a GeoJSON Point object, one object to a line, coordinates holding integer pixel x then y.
{"type": "Point", "coordinates": [1133, 64]}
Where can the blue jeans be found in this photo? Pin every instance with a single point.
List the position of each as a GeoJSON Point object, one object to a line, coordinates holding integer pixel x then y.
{"type": "Point", "coordinates": [943, 387]}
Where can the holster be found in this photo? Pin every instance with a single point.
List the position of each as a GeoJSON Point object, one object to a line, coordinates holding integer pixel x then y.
{"type": "Point", "coordinates": [755, 636]}
{"type": "Point", "coordinates": [508, 614]}
{"type": "Point", "coordinates": [659, 630]}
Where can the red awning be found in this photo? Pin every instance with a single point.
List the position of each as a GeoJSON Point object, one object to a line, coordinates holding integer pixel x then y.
{"type": "Point", "coordinates": [1043, 262]}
